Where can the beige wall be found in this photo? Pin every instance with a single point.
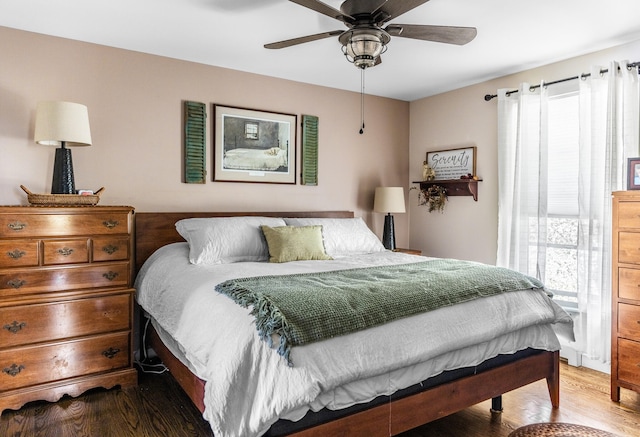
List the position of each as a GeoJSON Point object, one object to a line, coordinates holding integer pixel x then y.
{"type": "Point", "coordinates": [468, 229]}
{"type": "Point", "coordinates": [134, 103]}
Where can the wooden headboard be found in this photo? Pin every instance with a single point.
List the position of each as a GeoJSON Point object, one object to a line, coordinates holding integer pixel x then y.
{"type": "Point", "coordinates": [156, 229]}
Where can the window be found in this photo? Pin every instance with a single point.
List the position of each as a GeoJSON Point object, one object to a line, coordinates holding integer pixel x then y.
{"type": "Point", "coordinates": [251, 130]}
{"type": "Point", "coordinates": [561, 152]}
{"type": "Point", "coordinates": [562, 221]}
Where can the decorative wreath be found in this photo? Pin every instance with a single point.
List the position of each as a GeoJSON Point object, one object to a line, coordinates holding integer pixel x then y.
{"type": "Point", "coordinates": [435, 196]}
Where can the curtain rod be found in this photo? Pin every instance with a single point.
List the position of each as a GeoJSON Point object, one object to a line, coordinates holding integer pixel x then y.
{"type": "Point", "coordinates": [488, 97]}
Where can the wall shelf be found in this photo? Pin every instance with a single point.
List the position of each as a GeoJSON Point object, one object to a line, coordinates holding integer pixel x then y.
{"type": "Point", "coordinates": [454, 187]}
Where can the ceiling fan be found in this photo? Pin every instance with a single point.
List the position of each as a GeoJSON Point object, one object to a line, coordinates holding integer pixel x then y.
{"type": "Point", "coordinates": [366, 38]}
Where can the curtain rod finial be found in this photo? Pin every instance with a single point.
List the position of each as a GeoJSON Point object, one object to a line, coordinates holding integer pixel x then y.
{"type": "Point", "coordinates": [488, 97]}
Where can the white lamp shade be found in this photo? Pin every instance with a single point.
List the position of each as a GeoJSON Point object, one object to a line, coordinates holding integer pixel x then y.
{"type": "Point", "coordinates": [58, 122]}
{"type": "Point", "coordinates": [389, 200]}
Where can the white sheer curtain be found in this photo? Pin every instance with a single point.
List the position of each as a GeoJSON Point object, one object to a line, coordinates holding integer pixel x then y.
{"type": "Point", "coordinates": [609, 128]}
{"type": "Point", "coordinates": [522, 180]}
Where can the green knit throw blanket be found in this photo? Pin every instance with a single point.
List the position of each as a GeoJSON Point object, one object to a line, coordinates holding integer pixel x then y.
{"type": "Point", "coordinates": [304, 308]}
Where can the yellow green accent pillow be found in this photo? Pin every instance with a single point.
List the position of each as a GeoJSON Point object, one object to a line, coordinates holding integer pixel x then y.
{"type": "Point", "coordinates": [294, 243]}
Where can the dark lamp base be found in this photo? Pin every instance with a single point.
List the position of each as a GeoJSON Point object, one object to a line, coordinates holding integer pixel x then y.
{"type": "Point", "coordinates": [389, 235]}
{"type": "Point", "coordinates": [63, 182]}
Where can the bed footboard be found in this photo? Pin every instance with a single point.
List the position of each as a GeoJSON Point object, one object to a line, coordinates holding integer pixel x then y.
{"type": "Point", "coordinates": [407, 413]}
{"type": "Point", "coordinates": [403, 414]}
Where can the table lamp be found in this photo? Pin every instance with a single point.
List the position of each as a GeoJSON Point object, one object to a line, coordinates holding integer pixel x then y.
{"type": "Point", "coordinates": [389, 200]}
{"type": "Point", "coordinates": [62, 124]}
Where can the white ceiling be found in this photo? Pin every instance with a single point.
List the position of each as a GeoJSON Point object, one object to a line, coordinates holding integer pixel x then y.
{"type": "Point", "coordinates": [513, 35]}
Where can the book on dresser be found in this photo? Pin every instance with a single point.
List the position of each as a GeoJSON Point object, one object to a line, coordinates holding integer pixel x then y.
{"type": "Point", "coordinates": [625, 291]}
{"type": "Point", "coordinates": [66, 301]}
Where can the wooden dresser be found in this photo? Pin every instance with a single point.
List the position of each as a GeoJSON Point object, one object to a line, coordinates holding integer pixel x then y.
{"type": "Point", "coordinates": [625, 326]}
{"type": "Point", "coordinates": [66, 302]}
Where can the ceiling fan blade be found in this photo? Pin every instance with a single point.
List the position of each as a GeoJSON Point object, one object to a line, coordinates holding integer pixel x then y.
{"type": "Point", "coordinates": [394, 8]}
{"type": "Point", "coordinates": [301, 40]}
{"type": "Point", "coordinates": [359, 7]}
{"type": "Point", "coordinates": [324, 9]}
{"type": "Point", "coordinates": [445, 34]}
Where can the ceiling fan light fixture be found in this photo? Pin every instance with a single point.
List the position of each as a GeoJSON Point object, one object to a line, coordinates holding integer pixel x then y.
{"type": "Point", "coordinates": [362, 47]}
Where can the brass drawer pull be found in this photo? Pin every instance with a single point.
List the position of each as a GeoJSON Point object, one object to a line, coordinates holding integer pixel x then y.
{"type": "Point", "coordinates": [65, 251]}
{"type": "Point", "coordinates": [16, 283]}
{"type": "Point", "coordinates": [17, 226]}
{"type": "Point", "coordinates": [110, 275]}
{"type": "Point", "coordinates": [111, 352]}
{"type": "Point", "coordinates": [14, 327]}
{"type": "Point", "coordinates": [13, 370]}
{"type": "Point", "coordinates": [110, 224]}
{"type": "Point", "coordinates": [16, 254]}
{"type": "Point", "coordinates": [110, 249]}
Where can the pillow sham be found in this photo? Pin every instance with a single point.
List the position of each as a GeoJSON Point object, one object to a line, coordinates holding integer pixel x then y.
{"type": "Point", "coordinates": [343, 236]}
{"type": "Point", "coordinates": [294, 243]}
{"type": "Point", "coordinates": [223, 240]}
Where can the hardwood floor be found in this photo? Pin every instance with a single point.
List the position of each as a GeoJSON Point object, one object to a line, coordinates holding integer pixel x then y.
{"type": "Point", "coordinates": [158, 408]}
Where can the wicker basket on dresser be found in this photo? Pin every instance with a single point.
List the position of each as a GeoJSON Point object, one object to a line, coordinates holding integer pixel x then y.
{"type": "Point", "coordinates": [625, 326]}
{"type": "Point", "coordinates": [66, 302]}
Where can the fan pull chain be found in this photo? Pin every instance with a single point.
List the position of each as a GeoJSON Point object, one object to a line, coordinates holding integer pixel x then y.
{"type": "Point", "coordinates": [362, 99]}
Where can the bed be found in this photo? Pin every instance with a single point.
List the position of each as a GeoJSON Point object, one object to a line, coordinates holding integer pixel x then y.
{"type": "Point", "coordinates": [399, 402]}
{"type": "Point", "coordinates": [255, 159]}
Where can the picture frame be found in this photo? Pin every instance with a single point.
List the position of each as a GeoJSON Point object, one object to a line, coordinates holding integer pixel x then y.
{"type": "Point", "coordinates": [633, 173]}
{"type": "Point", "coordinates": [251, 145]}
{"type": "Point", "coordinates": [453, 163]}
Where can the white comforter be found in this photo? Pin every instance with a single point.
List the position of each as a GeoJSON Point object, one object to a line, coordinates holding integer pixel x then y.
{"type": "Point", "coordinates": [255, 159]}
{"type": "Point", "coordinates": [249, 386]}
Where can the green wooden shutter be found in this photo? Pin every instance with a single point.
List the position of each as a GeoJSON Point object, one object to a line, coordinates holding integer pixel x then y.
{"type": "Point", "coordinates": [195, 121]}
{"type": "Point", "coordinates": [309, 150]}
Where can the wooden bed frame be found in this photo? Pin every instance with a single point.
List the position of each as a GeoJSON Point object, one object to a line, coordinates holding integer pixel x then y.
{"type": "Point", "coordinates": [154, 230]}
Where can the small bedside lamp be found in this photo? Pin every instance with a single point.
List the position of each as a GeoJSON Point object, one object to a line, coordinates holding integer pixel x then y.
{"type": "Point", "coordinates": [389, 200]}
{"type": "Point", "coordinates": [62, 124]}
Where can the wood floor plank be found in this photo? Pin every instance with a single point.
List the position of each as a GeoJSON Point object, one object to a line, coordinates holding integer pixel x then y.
{"type": "Point", "coordinates": [157, 407]}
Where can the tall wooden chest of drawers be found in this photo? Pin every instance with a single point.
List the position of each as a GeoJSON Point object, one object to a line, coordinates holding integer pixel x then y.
{"type": "Point", "coordinates": [66, 302]}
{"type": "Point", "coordinates": [625, 327]}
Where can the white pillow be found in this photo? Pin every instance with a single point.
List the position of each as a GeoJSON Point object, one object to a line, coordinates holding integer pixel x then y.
{"type": "Point", "coordinates": [222, 240]}
{"type": "Point", "coordinates": [343, 236]}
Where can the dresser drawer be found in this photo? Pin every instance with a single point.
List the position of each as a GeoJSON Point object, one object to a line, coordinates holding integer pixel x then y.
{"type": "Point", "coordinates": [629, 361]}
{"type": "Point", "coordinates": [629, 247]}
{"type": "Point", "coordinates": [62, 225]}
{"type": "Point", "coordinates": [629, 321]}
{"type": "Point", "coordinates": [629, 215]}
{"type": "Point", "coordinates": [110, 248]}
{"type": "Point", "coordinates": [66, 251]}
{"type": "Point", "coordinates": [31, 365]}
{"type": "Point", "coordinates": [18, 253]}
{"type": "Point", "coordinates": [46, 280]}
{"type": "Point", "coordinates": [27, 324]}
{"type": "Point", "coordinates": [629, 283]}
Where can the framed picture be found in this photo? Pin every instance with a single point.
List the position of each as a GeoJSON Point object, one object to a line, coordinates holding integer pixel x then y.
{"type": "Point", "coordinates": [453, 163]}
{"type": "Point", "coordinates": [633, 174]}
{"type": "Point", "coordinates": [253, 146]}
